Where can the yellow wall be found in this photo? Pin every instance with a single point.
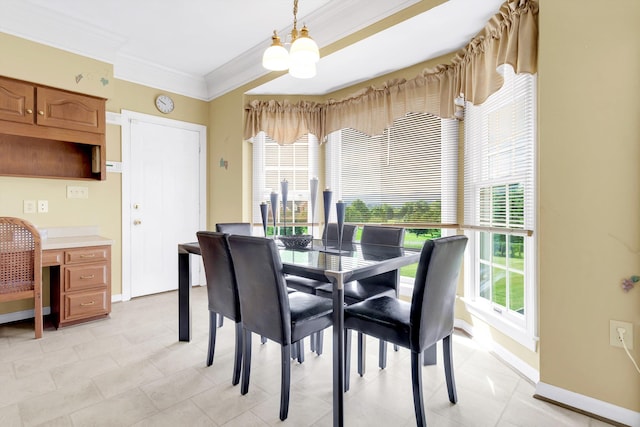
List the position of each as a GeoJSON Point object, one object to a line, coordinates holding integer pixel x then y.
{"type": "Point", "coordinates": [589, 194]}
{"type": "Point", "coordinates": [588, 173]}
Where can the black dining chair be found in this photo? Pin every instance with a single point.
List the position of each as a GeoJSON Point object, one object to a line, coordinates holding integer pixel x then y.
{"type": "Point", "coordinates": [383, 284]}
{"type": "Point", "coordinates": [309, 286]}
{"type": "Point", "coordinates": [269, 309]}
{"type": "Point", "coordinates": [420, 324]}
{"type": "Point", "coordinates": [222, 291]}
{"type": "Point", "coordinates": [243, 228]}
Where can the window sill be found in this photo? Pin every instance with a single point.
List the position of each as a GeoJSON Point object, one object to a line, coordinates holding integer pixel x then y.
{"type": "Point", "coordinates": [513, 331]}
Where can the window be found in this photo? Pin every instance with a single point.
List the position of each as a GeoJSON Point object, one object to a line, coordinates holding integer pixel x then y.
{"type": "Point", "coordinates": [499, 213]}
{"type": "Point", "coordinates": [406, 176]}
{"type": "Point", "coordinates": [272, 163]}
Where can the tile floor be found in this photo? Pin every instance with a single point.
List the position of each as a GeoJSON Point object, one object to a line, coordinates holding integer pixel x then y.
{"type": "Point", "coordinates": [131, 370]}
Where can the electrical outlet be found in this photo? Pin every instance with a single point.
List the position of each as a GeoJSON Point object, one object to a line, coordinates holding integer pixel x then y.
{"type": "Point", "coordinates": [614, 339]}
{"type": "Point", "coordinates": [43, 206]}
{"type": "Point", "coordinates": [29, 206]}
{"type": "Point", "coordinates": [77, 192]}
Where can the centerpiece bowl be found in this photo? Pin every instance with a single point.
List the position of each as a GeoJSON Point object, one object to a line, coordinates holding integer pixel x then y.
{"type": "Point", "coordinates": [297, 241]}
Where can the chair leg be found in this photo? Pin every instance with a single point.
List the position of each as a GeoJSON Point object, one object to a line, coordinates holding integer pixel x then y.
{"type": "Point", "coordinates": [320, 339]}
{"type": "Point", "coordinates": [212, 337]}
{"type": "Point", "coordinates": [312, 342]}
{"type": "Point", "coordinates": [416, 383]}
{"type": "Point", "coordinates": [220, 320]}
{"type": "Point", "coordinates": [447, 347]}
{"type": "Point", "coordinates": [382, 354]}
{"type": "Point", "coordinates": [347, 358]}
{"type": "Point", "coordinates": [294, 351]}
{"type": "Point", "coordinates": [38, 314]}
{"type": "Point", "coordinates": [429, 356]}
{"type": "Point", "coordinates": [361, 353]}
{"type": "Point", "coordinates": [263, 339]}
{"type": "Point", "coordinates": [300, 350]}
{"type": "Point", "coordinates": [286, 381]}
{"type": "Point", "coordinates": [246, 362]}
{"type": "Point", "coordinates": [237, 363]}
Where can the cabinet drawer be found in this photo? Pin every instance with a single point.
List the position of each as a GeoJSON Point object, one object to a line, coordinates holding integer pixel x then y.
{"type": "Point", "coordinates": [50, 258]}
{"type": "Point", "coordinates": [84, 255]}
{"type": "Point", "coordinates": [84, 277]}
{"type": "Point", "coordinates": [85, 304]}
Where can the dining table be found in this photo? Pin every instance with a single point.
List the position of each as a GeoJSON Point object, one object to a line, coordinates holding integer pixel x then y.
{"type": "Point", "coordinates": [337, 263]}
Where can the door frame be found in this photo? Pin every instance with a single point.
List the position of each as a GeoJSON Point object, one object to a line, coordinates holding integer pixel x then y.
{"type": "Point", "coordinates": [126, 118]}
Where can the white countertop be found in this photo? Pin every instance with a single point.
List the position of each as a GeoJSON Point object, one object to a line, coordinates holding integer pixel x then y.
{"type": "Point", "coordinates": [74, 242]}
{"type": "Point", "coordinates": [72, 237]}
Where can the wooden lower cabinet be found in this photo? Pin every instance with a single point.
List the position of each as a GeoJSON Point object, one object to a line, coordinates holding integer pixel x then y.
{"type": "Point", "coordinates": [80, 283]}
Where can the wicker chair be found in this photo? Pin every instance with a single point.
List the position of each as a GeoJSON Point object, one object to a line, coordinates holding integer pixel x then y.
{"type": "Point", "coordinates": [21, 265]}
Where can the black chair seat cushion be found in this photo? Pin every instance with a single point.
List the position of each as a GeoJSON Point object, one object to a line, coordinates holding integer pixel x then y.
{"type": "Point", "coordinates": [302, 284]}
{"type": "Point", "coordinates": [309, 314]}
{"type": "Point", "coordinates": [355, 291]}
{"type": "Point", "coordinates": [387, 318]}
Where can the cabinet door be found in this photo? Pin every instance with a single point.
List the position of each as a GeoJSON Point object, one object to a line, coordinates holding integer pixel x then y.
{"type": "Point", "coordinates": [16, 101]}
{"type": "Point", "coordinates": [60, 109]}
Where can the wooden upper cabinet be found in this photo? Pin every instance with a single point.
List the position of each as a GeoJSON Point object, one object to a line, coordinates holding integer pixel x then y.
{"type": "Point", "coordinates": [51, 133]}
{"type": "Point", "coordinates": [60, 109]}
{"type": "Point", "coordinates": [16, 101]}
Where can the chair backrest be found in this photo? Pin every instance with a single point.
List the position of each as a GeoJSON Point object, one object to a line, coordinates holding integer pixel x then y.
{"type": "Point", "coordinates": [264, 300]}
{"type": "Point", "coordinates": [377, 235]}
{"type": "Point", "coordinates": [242, 228]}
{"type": "Point", "coordinates": [434, 290]}
{"type": "Point", "coordinates": [387, 236]}
{"type": "Point", "coordinates": [20, 259]}
{"type": "Point", "coordinates": [222, 288]}
{"type": "Point", "coordinates": [348, 232]}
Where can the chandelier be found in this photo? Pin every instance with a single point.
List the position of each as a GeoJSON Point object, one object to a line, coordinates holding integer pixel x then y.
{"type": "Point", "coordinates": [302, 56]}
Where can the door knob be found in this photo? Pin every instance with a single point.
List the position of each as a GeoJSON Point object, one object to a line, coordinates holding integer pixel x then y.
{"type": "Point", "coordinates": [136, 206]}
{"type": "Point", "coordinates": [137, 222]}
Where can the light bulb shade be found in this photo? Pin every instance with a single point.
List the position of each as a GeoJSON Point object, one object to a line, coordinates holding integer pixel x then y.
{"type": "Point", "coordinates": [304, 49]}
{"type": "Point", "coordinates": [275, 58]}
{"type": "Point", "coordinates": [301, 70]}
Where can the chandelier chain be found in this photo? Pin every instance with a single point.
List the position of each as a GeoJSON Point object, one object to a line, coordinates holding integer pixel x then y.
{"type": "Point", "coordinates": [295, 14]}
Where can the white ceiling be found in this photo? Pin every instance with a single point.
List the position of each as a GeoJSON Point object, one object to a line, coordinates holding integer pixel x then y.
{"type": "Point", "coordinates": [205, 48]}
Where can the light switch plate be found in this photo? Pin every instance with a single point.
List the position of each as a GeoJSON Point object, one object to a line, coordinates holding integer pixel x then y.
{"type": "Point", "coordinates": [77, 192]}
{"type": "Point", "coordinates": [29, 206]}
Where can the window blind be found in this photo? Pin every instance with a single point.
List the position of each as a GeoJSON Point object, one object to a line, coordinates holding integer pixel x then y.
{"type": "Point", "coordinates": [406, 175]}
{"type": "Point", "coordinates": [297, 163]}
{"type": "Point", "coordinates": [499, 161]}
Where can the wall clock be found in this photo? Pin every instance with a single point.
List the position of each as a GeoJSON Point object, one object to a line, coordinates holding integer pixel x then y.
{"type": "Point", "coordinates": [164, 103]}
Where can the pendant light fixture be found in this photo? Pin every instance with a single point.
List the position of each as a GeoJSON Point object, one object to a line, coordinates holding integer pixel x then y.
{"type": "Point", "coordinates": [302, 56]}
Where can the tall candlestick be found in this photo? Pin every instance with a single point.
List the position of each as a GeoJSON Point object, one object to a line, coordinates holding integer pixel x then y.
{"type": "Point", "coordinates": [313, 194]}
{"type": "Point", "coordinates": [274, 209]}
{"type": "Point", "coordinates": [263, 213]}
{"type": "Point", "coordinates": [340, 215]}
{"type": "Point", "coordinates": [284, 186]}
{"type": "Point", "coordinates": [326, 195]}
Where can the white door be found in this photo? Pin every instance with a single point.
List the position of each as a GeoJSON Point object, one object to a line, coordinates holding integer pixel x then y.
{"type": "Point", "coordinates": [165, 206]}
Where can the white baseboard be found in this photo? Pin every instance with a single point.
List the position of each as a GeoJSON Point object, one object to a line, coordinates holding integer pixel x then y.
{"type": "Point", "coordinates": [512, 360]}
{"type": "Point", "coordinates": [589, 404]}
{"type": "Point", "coordinates": [116, 298]}
{"type": "Point", "coordinates": [22, 315]}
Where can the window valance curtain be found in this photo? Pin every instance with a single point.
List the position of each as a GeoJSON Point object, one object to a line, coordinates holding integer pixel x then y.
{"type": "Point", "coordinates": [510, 37]}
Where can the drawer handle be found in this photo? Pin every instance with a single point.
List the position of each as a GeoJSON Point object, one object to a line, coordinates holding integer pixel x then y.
{"type": "Point", "coordinates": [84, 304]}
{"type": "Point", "coordinates": [88, 277]}
{"type": "Point", "coordinates": [88, 256]}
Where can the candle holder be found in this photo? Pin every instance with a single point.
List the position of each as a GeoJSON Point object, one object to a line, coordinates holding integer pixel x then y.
{"type": "Point", "coordinates": [313, 194]}
{"type": "Point", "coordinates": [263, 213]}
{"type": "Point", "coordinates": [274, 209]}
{"type": "Point", "coordinates": [284, 186]}
{"type": "Point", "coordinates": [340, 214]}
{"type": "Point", "coordinates": [326, 195]}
